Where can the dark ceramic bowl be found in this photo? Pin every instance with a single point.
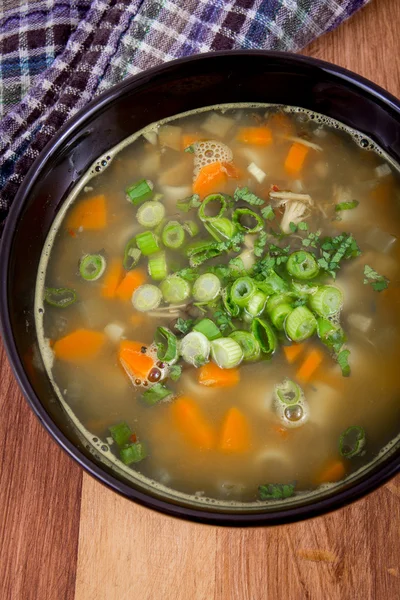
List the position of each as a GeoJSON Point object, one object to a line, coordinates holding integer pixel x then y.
{"type": "Point", "coordinates": [173, 88]}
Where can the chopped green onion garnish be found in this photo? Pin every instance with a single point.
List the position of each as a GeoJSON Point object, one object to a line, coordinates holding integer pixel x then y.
{"type": "Point", "coordinates": [147, 242]}
{"type": "Point", "coordinates": [327, 301]}
{"type": "Point", "coordinates": [150, 214]}
{"type": "Point", "coordinates": [167, 345]}
{"type": "Point", "coordinates": [242, 290]}
{"type": "Point", "coordinates": [146, 297]}
{"type": "Point", "coordinates": [139, 191]}
{"type": "Point", "coordinates": [247, 220]}
{"type": "Point", "coordinates": [132, 255]}
{"type": "Point", "coordinates": [256, 303]}
{"type": "Point", "coordinates": [272, 283]}
{"type": "Point", "coordinates": [133, 453]}
{"type": "Point", "coordinates": [175, 371]}
{"type": "Point", "coordinates": [155, 394]}
{"type": "Point", "coordinates": [206, 287]}
{"type": "Point", "coordinates": [279, 314]}
{"type": "Point", "coordinates": [265, 335]}
{"type": "Point", "coordinates": [248, 343]}
{"type": "Point", "coordinates": [59, 297]}
{"type": "Point", "coordinates": [208, 328]}
{"type": "Point", "coordinates": [276, 299]}
{"type": "Point", "coordinates": [288, 392]}
{"type": "Point", "coordinates": [231, 308]}
{"type": "Point", "coordinates": [188, 203]}
{"type": "Point", "coordinates": [346, 205]}
{"type": "Point", "coordinates": [173, 235]}
{"type": "Point", "coordinates": [220, 228]}
{"type": "Point", "coordinates": [226, 353]}
{"type": "Point", "coordinates": [330, 334]}
{"type": "Point", "coordinates": [276, 491]}
{"type": "Point", "coordinates": [121, 433]}
{"type": "Point", "coordinates": [200, 251]}
{"type": "Point", "coordinates": [191, 227]}
{"type": "Point", "coordinates": [195, 348]}
{"type": "Point", "coordinates": [92, 267]}
{"type": "Point", "coordinates": [212, 202]}
{"type": "Point", "coordinates": [302, 265]}
{"type": "Point", "coordinates": [157, 266]}
{"type": "Point", "coordinates": [300, 324]}
{"type": "Point", "coordinates": [343, 361]}
{"type": "Point", "coordinates": [352, 441]}
{"type": "Point", "coordinates": [175, 289]}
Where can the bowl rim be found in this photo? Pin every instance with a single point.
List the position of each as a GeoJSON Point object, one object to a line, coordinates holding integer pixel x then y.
{"type": "Point", "coordinates": [375, 478]}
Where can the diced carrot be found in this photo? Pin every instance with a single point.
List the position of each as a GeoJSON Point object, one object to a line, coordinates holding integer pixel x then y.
{"type": "Point", "coordinates": [136, 363]}
{"type": "Point", "coordinates": [333, 471]}
{"type": "Point", "coordinates": [211, 178]}
{"type": "Point", "coordinates": [192, 424]}
{"type": "Point", "coordinates": [212, 375]}
{"type": "Point", "coordinates": [295, 158]}
{"type": "Point", "coordinates": [130, 283]}
{"type": "Point", "coordinates": [188, 139]}
{"type": "Point", "coordinates": [112, 279]}
{"type": "Point", "coordinates": [231, 170]}
{"type": "Point", "coordinates": [89, 214]}
{"type": "Point", "coordinates": [281, 123]}
{"type": "Point", "coordinates": [310, 365]}
{"type": "Point", "coordinates": [281, 431]}
{"type": "Point", "coordinates": [79, 346]}
{"type": "Point", "coordinates": [292, 352]}
{"type": "Point", "coordinates": [235, 434]}
{"type": "Point", "coordinates": [256, 136]}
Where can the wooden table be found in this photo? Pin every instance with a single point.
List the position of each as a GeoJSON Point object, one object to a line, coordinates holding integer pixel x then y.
{"type": "Point", "coordinates": [66, 537]}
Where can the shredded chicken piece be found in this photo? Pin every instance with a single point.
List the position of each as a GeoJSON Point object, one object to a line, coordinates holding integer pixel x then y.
{"type": "Point", "coordinates": [286, 197]}
{"type": "Point", "coordinates": [295, 212]}
{"type": "Point", "coordinates": [300, 140]}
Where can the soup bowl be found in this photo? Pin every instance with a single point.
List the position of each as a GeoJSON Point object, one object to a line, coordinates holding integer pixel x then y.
{"type": "Point", "coordinates": [177, 87]}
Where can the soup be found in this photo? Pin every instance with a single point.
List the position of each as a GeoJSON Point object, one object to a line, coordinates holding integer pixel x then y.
{"type": "Point", "coordinates": [218, 304]}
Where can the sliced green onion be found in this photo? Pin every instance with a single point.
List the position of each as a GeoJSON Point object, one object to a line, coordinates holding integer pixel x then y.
{"type": "Point", "coordinates": [155, 394]}
{"type": "Point", "coordinates": [276, 299]}
{"type": "Point", "coordinates": [173, 235]}
{"type": "Point", "coordinates": [242, 290]}
{"type": "Point", "coordinates": [265, 335]}
{"type": "Point", "coordinates": [208, 328]}
{"type": "Point", "coordinates": [272, 284]}
{"type": "Point", "coordinates": [195, 348]}
{"type": "Point", "coordinates": [59, 297]}
{"type": "Point", "coordinates": [288, 392]}
{"type": "Point", "coordinates": [226, 353]}
{"type": "Point", "coordinates": [150, 214]}
{"type": "Point", "coordinates": [247, 220]}
{"type": "Point", "coordinates": [300, 324]}
{"type": "Point", "coordinates": [279, 314]}
{"type": "Point", "coordinates": [157, 266]}
{"type": "Point", "coordinates": [206, 287]}
{"type": "Point", "coordinates": [133, 453]}
{"type": "Point", "coordinates": [352, 441]}
{"type": "Point", "coordinates": [248, 343]}
{"type": "Point", "coordinates": [256, 303]}
{"type": "Point", "coordinates": [92, 267]}
{"type": "Point", "coordinates": [175, 289]}
{"type": "Point", "coordinates": [302, 265]}
{"type": "Point", "coordinates": [132, 255]}
{"type": "Point", "coordinates": [200, 251]}
{"type": "Point", "coordinates": [343, 362]}
{"type": "Point", "coordinates": [330, 334]}
{"type": "Point", "coordinates": [231, 308]}
{"type": "Point", "coordinates": [207, 202]}
{"type": "Point", "coordinates": [304, 290]}
{"type": "Point", "coordinates": [139, 191]}
{"type": "Point", "coordinates": [220, 228]}
{"type": "Point", "coordinates": [191, 227]}
{"type": "Point", "coordinates": [346, 205]}
{"type": "Point", "coordinates": [327, 301]}
{"type": "Point", "coordinates": [167, 345]}
{"type": "Point", "coordinates": [146, 297]}
{"type": "Point", "coordinates": [120, 433]}
{"type": "Point", "coordinates": [147, 242]}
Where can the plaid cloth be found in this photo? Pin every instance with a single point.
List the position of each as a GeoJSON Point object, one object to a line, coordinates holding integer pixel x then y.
{"type": "Point", "coordinates": [57, 55]}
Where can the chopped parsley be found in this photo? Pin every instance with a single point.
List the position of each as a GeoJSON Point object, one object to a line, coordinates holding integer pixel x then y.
{"type": "Point", "coordinates": [302, 226]}
{"type": "Point", "coordinates": [334, 250]}
{"type": "Point", "coordinates": [245, 195]}
{"type": "Point", "coordinates": [268, 213]}
{"type": "Point", "coordinates": [276, 491]}
{"type": "Point", "coordinates": [175, 371]}
{"type": "Point", "coordinates": [184, 325]}
{"type": "Point", "coordinates": [260, 243]}
{"type": "Point", "coordinates": [188, 203]}
{"type": "Point", "coordinates": [223, 321]}
{"type": "Point", "coordinates": [346, 205]}
{"type": "Point", "coordinates": [378, 282]}
{"type": "Point", "coordinates": [189, 273]}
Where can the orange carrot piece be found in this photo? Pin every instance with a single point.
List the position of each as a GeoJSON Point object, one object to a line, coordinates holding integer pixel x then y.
{"type": "Point", "coordinates": [295, 158]}
{"type": "Point", "coordinates": [281, 123]}
{"type": "Point", "coordinates": [79, 346]}
{"type": "Point", "coordinates": [292, 352]}
{"type": "Point", "coordinates": [333, 471]}
{"type": "Point", "coordinates": [136, 363]}
{"type": "Point", "coordinates": [192, 424]}
{"type": "Point", "coordinates": [212, 375]}
{"type": "Point", "coordinates": [188, 139]}
{"type": "Point", "coordinates": [112, 279]}
{"type": "Point", "coordinates": [130, 283]}
{"type": "Point", "coordinates": [310, 365]}
{"type": "Point", "coordinates": [235, 434]}
{"type": "Point", "coordinates": [231, 170]}
{"type": "Point", "coordinates": [211, 178]}
{"type": "Point", "coordinates": [257, 136]}
{"type": "Point", "coordinates": [89, 214]}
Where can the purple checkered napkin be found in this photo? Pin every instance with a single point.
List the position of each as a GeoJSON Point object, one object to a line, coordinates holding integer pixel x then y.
{"type": "Point", "coordinates": [55, 56]}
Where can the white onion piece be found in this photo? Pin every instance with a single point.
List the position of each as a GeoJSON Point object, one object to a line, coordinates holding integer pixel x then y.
{"type": "Point", "coordinates": [114, 331]}
{"type": "Point", "coordinates": [151, 137]}
{"type": "Point", "coordinates": [216, 124]}
{"type": "Point", "coordinates": [257, 173]}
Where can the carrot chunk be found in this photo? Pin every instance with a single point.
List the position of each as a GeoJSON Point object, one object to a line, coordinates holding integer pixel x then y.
{"type": "Point", "coordinates": [136, 363]}
{"type": "Point", "coordinates": [89, 214]}
{"type": "Point", "coordinates": [79, 346]}
{"type": "Point", "coordinates": [295, 158]}
{"type": "Point", "coordinates": [188, 139]}
{"type": "Point", "coordinates": [130, 283]}
{"type": "Point", "coordinates": [192, 424]}
{"type": "Point", "coordinates": [292, 352]}
{"type": "Point", "coordinates": [333, 471]}
{"type": "Point", "coordinates": [212, 375]}
{"type": "Point", "coordinates": [281, 123]}
{"type": "Point", "coordinates": [310, 365]}
{"type": "Point", "coordinates": [257, 136]}
{"type": "Point", "coordinates": [235, 434]}
{"type": "Point", "coordinates": [211, 178]}
{"type": "Point", "coordinates": [112, 279]}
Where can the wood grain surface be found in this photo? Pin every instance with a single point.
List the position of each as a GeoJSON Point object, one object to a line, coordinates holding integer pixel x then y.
{"type": "Point", "coordinates": [66, 537]}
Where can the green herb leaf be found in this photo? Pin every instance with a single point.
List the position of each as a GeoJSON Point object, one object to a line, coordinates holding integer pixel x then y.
{"type": "Point", "coordinates": [343, 361]}
{"type": "Point", "coordinates": [346, 205]}
{"type": "Point", "coordinates": [188, 274]}
{"type": "Point", "coordinates": [302, 226]}
{"type": "Point", "coordinates": [237, 264]}
{"type": "Point", "coordinates": [184, 326]}
{"type": "Point", "coordinates": [260, 243]}
{"type": "Point", "coordinates": [190, 149]}
{"type": "Point", "coordinates": [223, 320]}
{"type": "Point", "coordinates": [175, 371]}
{"type": "Point", "coordinates": [292, 227]}
{"type": "Point", "coordinates": [276, 491]}
{"type": "Point", "coordinates": [334, 250]}
{"type": "Point", "coordinates": [378, 282]}
{"type": "Point", "coordinates": [268, 213]}
{"type": "Point", "coordinates": [246, 196]}
{"type": "Point", "coordinates": [188, 203]}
